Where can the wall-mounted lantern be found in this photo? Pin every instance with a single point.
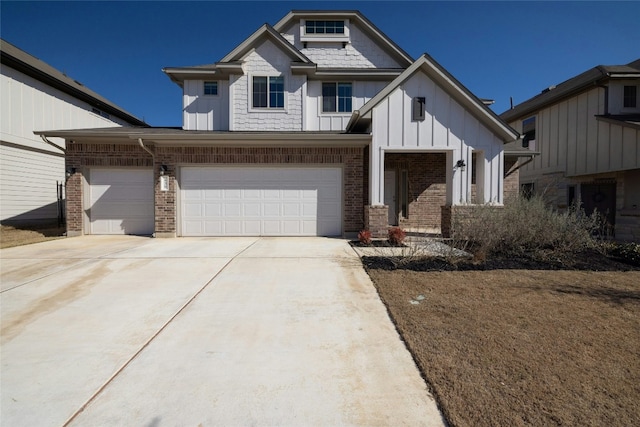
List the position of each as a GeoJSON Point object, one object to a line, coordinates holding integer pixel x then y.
{"type": "Point", "coordinates": [163, 169]}
{"type": "Point", "coordinates": [70, 171]}
{"type": "Point", "coordinates": [461, 165]}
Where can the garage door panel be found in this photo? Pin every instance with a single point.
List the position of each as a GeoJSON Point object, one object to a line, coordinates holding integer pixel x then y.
{"type": "Point", "coordinates": [262, 201]}
{"type": "Point", "coordinates": [121, 201]}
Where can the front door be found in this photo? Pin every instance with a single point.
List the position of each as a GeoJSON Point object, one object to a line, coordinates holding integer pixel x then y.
{"type": "Point", "coordinates": [390, 196]}
{"type": "Point", "coordinates": [600, 198]}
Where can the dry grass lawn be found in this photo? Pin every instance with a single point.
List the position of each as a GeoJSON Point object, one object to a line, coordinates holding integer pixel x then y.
{"type": "Point", "coordinates": [523, 347]}
{"type": "Point", "coordinates": [11, 236]}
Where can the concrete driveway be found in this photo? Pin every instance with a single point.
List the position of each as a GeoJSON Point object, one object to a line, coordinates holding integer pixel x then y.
{"type": "Point", "coordinates": [110, 331]}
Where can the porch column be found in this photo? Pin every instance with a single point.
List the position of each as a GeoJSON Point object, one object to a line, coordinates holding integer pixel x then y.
{"type": "Point", "coordinates": [376, 215]}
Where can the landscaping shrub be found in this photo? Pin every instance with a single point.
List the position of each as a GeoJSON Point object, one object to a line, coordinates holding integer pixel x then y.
{"type": "Point", "coordinates": [526, 226]}
{"type": "Point", "coordinates": [396, 236]}
{"type": "Point", "coordinates": [364, 237]}
{"type": "Point", "coordinates": [627, 252]}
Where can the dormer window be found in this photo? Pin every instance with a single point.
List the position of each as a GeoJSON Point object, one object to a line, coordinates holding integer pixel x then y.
{"type": "Point", "coordinates": [325, 31]}
{"type": "Point", "coordinates": [324, 27]}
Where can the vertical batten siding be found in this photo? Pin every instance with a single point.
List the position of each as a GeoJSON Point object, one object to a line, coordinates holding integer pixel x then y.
{"type": "Point", "coordinates": [448, 127]}
{"type": "Point", "coordinates": [571, 140]}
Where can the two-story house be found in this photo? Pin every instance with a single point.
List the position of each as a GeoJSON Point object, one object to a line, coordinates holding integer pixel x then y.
{"type": "Point", "coordinates": [587, 130]}
{"type": "Point", "coordinates": [317, 125]}
{"type": "Point", "coordinates": [36, 96]}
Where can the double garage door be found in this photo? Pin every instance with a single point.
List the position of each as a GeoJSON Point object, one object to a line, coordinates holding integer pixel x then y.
{"type": "Point", "coordinates": [222, 201]}
{"type": "Point", "coordinates": [260, 201]}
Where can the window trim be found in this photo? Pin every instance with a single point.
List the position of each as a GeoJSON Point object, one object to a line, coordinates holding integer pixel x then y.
{"type": "Point", "coordinates": [269, 109]}
{"type": "Point", "coordinates": [204, 88]}
{"type": "Point", "coordinates": [304, 37]}
{"type": "Point", "coordinates": [337, 98]}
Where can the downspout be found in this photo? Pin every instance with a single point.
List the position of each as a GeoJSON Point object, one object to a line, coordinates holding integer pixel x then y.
{"type": "Point", "coordinates": [519, 166]}
{"type": "Point", "coordinates": [53, 144]}
{"type": "Point", "coordinates": [146, 149]}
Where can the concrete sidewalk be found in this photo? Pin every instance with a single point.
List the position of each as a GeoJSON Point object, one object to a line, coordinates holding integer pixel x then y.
{"type": "Point", "coordinates": [200, 331]}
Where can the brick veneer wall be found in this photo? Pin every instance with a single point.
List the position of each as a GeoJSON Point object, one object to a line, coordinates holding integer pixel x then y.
{"type": "Point", "coordinates": [119, 155]}
{"type": "Point", "coordinates": [427, 187]}
{"type": "Point", "coordinates": [511, 179]}
{"type": "Point", "coordinates": [376, 220]}
{"type": "Point", "coordinates": [84, 156]}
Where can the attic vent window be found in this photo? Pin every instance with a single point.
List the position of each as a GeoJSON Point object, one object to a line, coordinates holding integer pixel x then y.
{"type": "Point", "coordinates": [324, 27]}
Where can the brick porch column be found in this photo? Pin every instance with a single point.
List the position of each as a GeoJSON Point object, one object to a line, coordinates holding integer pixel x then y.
{"type": "Point", "coordinates": [376, 220]}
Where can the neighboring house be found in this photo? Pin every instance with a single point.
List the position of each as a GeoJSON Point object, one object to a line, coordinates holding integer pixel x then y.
{"type": "Point", "coordinates": [318, 125]}
{"type": "Point", "coordinates": [587, 130]}
{"type": "Point", "coordinates": [35, 96]}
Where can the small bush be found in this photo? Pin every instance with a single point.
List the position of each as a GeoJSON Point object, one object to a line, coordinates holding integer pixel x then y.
{"type": "Point", "coordinates": [396, 236]}
{"type": "Point", "coordinates": [526, 226]}
{"type": "Point", "coordinates": [627, 252]}
{"type": "Point", "coordinates": [364, 237]}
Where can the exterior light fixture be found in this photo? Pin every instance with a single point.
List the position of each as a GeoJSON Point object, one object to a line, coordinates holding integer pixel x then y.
{"type": "Point", "coordinates": [163, 169]}
{"type": "Point", "coordinates": [70, 171]}
{"type": "Point", "coordinates": [461, 165]}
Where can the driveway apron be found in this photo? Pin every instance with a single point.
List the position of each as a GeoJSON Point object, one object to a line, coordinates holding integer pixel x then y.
{"type": "Point", "coordinates": [200, 331]}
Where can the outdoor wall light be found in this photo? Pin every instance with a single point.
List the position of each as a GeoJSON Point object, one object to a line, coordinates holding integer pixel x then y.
{"type": "Point", "coordinates": [163, 169]}
{"type": "Point", "coordinates": [70, 171]}
{"type": "Point", "coordinates": [460, 165]}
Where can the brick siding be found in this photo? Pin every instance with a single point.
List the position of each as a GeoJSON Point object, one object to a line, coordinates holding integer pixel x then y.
{"type": "Point", "coordinates": [427, 187]}
{"type": "Point", "coordinates": [82, 156]}
{"type": "Point", "coordinates": [376, 220]}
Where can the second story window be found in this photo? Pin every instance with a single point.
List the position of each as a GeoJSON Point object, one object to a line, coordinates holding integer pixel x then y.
{"type": "Point", "coordinates": [630, 96]}
{"type": "Point", "coordinates": [336, 97]}
{"type": "Point", "coordinates": [210, 88]}
{"type": "Point", "coordinates": [268, 92]}
{"type": "Point", "coordinates": [529, 132]}
{"type": "Point", "coordinates": [324, 27]}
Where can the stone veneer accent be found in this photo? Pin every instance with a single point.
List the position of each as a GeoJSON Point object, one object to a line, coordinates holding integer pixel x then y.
{"type": "Point", "coordinates": [376, 220]}
{"type": "Point", "coordinates": [84, 156]}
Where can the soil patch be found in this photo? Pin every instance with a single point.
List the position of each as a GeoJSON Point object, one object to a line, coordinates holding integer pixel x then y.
{"type": "Point", "coordinates": [522, 347]}
{"type": "Point", "coordinates": [24, 234]}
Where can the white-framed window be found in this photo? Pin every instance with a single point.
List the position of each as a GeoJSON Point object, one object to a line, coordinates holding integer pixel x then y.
{"type": "Point", "coordinates": [630, 97]}
{"type": "Point", "coordinates": [337, 97]}
{"type": "Point", "coordinates": [210, 88]}
{"type": "Point", "coordinates": [529, 132]}
{"type": "Point", "coordinates": [324, 27]}
{"type": "Point", "coordinates": [267, 92]}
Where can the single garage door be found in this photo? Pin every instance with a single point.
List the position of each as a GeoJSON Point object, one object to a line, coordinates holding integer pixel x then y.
{"type": "Point", "coordinates": [121, 201]}
{"type": "Point", "coordinates": [261, 201]}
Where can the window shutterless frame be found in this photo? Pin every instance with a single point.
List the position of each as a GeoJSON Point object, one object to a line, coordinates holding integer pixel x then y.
{"type": "Point", "coordinates": [210, 88]}
{"type": "Point", "coordinates": [268, 92]}
{"type": "Point", "coordinates": [337, 97]}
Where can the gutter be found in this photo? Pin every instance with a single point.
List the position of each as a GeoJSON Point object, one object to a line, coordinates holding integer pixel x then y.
{"type": "Point", "coordinates": [53, 144]}
{"type": "Point", "coordinates": [352, 121]}
{"type": "Point", "coordinates": [153, 156]}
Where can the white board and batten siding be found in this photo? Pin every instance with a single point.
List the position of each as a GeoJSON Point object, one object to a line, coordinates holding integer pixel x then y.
{"type": "Point", "coordinates": [29, 168]}
{"type": "Point", "coordinates": [570, 138]}
{"type": "Point", "coordinates": [260, 201]}
{"type": "Point", "coordinates": [316, 120]}
{"type": "Point", "coordinates": [205, 112]}
{"type": "Point", "coordinates": [448, 127]}
{"type": "Point", "coordinates": [120, 201]}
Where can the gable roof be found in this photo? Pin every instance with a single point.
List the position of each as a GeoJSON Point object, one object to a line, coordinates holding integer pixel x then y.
{"type": "Point", "coordinates": [232, 61]}
{"type": "Point", "coordinates": [266, 31]}
{"type": "Point", "coordinates": [573, 86]}
{"type": "Point", "coordinates": [354, 16]}
{"type": "Point", "coordinates": [19, 60]}
{"type": "Point", "coordinates": [451, 85]}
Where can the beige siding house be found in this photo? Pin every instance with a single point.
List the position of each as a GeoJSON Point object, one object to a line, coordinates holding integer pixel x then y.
{"type": "Point", "coordinates": [35, 96]}
{"type": "Point", "coordinates": [587, 130]}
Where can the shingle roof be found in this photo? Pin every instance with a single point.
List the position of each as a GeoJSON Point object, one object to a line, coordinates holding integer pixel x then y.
{"type": "Point", "coordinates": [16, 58]}
{"type": "Point", "coordinates": [572, 86]}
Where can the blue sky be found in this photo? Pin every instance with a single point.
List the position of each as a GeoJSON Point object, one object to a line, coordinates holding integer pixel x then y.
{"type": "Point", "coordinates": [496, 49]}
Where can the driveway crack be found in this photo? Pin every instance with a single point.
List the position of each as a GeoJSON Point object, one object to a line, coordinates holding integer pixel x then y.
{"type": "Point", "coordinates": [150, 339]}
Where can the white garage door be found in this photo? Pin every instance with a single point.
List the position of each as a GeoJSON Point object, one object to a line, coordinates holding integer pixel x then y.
{"type": "Point", "coordinates": [260, 201]}
{"type": "Point", "coordinates": [121, 201]}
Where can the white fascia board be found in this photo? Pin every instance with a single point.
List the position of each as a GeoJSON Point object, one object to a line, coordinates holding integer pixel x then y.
{"type": "Point", "coordinates": [251, 42]}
